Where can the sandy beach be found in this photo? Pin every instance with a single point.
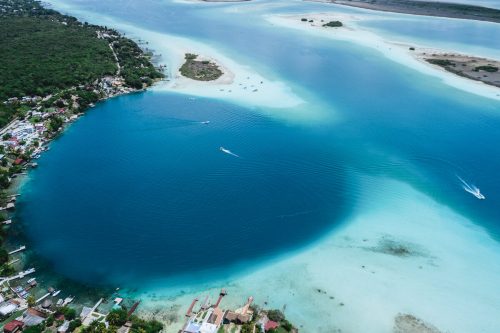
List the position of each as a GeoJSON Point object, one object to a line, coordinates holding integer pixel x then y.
{"type": "Point", "coordinates": [398, 51]}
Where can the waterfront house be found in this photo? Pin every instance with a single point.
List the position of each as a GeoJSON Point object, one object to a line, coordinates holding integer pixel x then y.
{"type": "Point", "coordinates": [86, 311]}
{"type": "Point", "coordinates": [64, 327]}
{"type": "Point", "coordinates": [33, 317]}
{"type": "Point", "coordinates": [13, 326]}
{"type": "Point", "coordinates": [271, 325]}
{"type": "Point", "coordinates": [7, 308]}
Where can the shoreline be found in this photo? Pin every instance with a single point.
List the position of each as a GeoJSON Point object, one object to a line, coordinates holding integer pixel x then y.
{"type": "Point", "coordinates": [376, 272]}
{"type": "Point", "coordinates": [322, 291]}
{"type": "Point", "coordinates": [396, 51]}
{"type": "Point", "coordinates": [424, 8]}
{"type": "Point", "coordinates": [67, 105]}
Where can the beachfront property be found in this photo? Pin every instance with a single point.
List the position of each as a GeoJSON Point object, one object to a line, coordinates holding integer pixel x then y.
{"type": "Point", "coordinates": [208, 318]}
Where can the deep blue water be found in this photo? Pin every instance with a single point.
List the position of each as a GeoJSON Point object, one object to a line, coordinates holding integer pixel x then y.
{"type": "Point", "coordinates": [138, 188]}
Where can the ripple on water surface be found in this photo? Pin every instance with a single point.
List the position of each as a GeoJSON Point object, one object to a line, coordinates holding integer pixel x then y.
{"type": "Point", "coordinates": [140, 182]}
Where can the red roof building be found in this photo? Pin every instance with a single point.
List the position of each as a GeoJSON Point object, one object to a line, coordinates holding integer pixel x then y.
{"type": "Point", "coordinates": [18, 161]}
{"type": "Point", "coordinates": [271, 325]}
{"type": "Point", "coordinates": [13, 326]}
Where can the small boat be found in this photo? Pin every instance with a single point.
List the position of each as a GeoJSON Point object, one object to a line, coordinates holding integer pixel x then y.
{"type": "Point", "coordinates": [68, 300]}
{"type": "Point", "coordinates": [206, 122]}
{"type": "Point", "coordinates": [31, 280]}
{"type": "Point", "coordinates": [59, 302]}
{"type": "Point", "coordinates": [472, 189]}
{"type": "Point", "coordinates": [477, 193]}
{"type": "Point", "coordinates": [55, 293]}
{"type": "Point", "coordinates": [227, 151]}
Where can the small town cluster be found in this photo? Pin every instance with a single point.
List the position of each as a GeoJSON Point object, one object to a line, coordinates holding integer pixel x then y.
{"type": "Point", "coordinates": [211, 318]}
{"type": "Point", "coordinates": [21, 312]}
{"type": "Point", "coordinates": [23, 139]}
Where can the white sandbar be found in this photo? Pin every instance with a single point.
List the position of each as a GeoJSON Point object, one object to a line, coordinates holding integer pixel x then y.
{"type": "Point", "coordinates": [396, 51]}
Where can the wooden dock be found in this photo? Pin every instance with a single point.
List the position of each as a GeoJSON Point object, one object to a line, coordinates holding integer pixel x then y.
{"type": "Point", "coordinates": [21, 248]}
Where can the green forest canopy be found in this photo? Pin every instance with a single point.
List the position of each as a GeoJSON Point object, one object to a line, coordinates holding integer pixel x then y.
{"type": "Point", "coordinates": [39, 56]}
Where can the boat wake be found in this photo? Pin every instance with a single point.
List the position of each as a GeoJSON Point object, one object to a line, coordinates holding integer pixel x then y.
{"type": "Point", "coordinates": [472, 189]}
{"type": "Point", "coordinates": [227, 151]}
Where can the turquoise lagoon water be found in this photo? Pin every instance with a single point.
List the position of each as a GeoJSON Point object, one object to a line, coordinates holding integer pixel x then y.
{"type": "Point", "coordinates": [137, 190]}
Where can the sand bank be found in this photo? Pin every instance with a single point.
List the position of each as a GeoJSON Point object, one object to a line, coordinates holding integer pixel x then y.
{"type": "Point", "coordinates": [401, 260]}
{"type": "Point", "coordinates": [395, 50]}
{"type": "Point", "coordinates": [240, 84]}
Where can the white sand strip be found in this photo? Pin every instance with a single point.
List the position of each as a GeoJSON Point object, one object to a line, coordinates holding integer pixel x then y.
{"type": "Point", "coordinates": [396, 51]}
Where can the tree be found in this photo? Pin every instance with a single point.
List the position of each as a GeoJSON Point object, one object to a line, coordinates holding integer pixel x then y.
{"type": "Point", "coordinates": [69, 313]}
{"type": "Point", "coordinates": [4, 256]}
{"type": "Point", "coordinates": [275, 315]}
{"type": "Point", "coordinates": [31, 301]}
{"type": "Point", "coordinates": [117, 317]}
{"type": "Point", "coordinates": [7, 270]}
{"type": "Point", "coordinates": [95, 327]}
{"type": "Point", "coordinates": [247, 328]}
{"type": "Point", "coordinates": [145, 326]}
{"type": "Point", "coordinates": [286, 325]}
{"type": "Point", "coordinates": [50, 321]}
{"type": "Point", "coordinates": [34, 329]}
{"type": "Point", "coordinates": [55, 123]}
{"type": "Point", "coordinates": [74, 324]}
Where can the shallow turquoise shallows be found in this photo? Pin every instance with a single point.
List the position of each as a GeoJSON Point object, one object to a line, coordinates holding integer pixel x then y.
{"type": "Point", "coordinates": [138, 188]}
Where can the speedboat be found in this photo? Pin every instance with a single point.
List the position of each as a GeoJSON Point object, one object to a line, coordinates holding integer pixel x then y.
{"type": "Point", "coordinates": [206, 122]}
{"type": "Point", "coordinates": [55, 293]}
{"type": "Point", "coordinates": [478, 194]}
{"type": "Point", "coordinates": [472, 189]}
{"type": "Point", "coordinates": [227, 151]}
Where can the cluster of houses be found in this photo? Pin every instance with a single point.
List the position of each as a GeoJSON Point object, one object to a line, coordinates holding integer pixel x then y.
{"type": "Point", "coordinates": [18, 314]}
{"type": "Point", "coordinates": [210, 318]}
{"type": "Point", "coordinates": [23, 139]}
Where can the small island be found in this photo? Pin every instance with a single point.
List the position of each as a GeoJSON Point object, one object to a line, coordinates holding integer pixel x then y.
{"type": "Point", "coordinates": [322, 21]}
{"type": "Point", "coordinates": [474, 68]}
{"type": "Point", "coordinates": [333, 24]}
{"type": "Point", "coordinates": [200, 70]}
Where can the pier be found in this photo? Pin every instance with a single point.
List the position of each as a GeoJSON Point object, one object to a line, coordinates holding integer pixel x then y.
{"type": "Point", "coordinates": [20, 275]}
{"type": "Point", "coordinates": [21, 248]}
{"type": "Point", "coordinates": [42, 298]}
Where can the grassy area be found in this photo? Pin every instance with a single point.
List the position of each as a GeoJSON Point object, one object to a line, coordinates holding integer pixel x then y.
{"type": "Point", "coordinates": [200, 70]}
{"type": "Point", "coordinates": [441, 62]}
{"type": "Point", "coordinates": [487, 68]}
{"type": "Point", "coordinates": [333, 24]}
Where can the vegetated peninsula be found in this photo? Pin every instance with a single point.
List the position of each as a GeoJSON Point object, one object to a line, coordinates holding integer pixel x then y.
{"type": "Point", "coordinates": [475, 68]}
{"type": "Point", "coordinates": [427, 8]}
{"type": "Point", "coordinates": [52, 68]}
{"type": "Point", "coordinates": [55, 58]}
